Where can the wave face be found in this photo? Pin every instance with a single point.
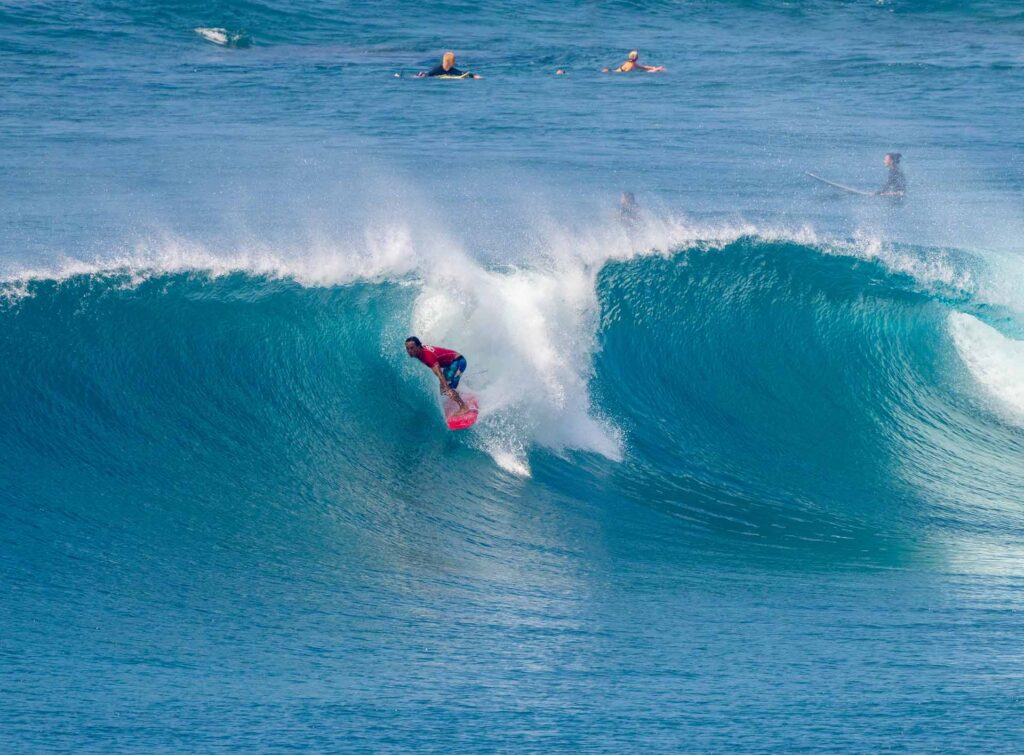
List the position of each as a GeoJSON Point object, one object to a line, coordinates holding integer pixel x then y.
{"type": "Point", "coordinates": [762, 390]}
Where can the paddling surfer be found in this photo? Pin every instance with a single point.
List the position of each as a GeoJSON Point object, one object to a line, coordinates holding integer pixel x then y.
{"type": "Point", "coordinates": [447, 68]}
{"type": "Point", "coordinates": [633, 64]}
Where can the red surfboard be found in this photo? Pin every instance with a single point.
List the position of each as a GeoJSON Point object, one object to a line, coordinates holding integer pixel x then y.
{"type": "Point", "coordinates": [462, 421]}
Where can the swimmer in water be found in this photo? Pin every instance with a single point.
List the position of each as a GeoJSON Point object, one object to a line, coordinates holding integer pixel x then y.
{"type": "Point", "coordinates": [895, 182]}
{"type": "Point", "coordinates": [633, 64]}
{"type": "Point", "coordinates": [447, 68]}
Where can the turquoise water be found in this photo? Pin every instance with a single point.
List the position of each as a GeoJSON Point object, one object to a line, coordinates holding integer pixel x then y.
{"type": "Point", "coordinates": [748, 470]}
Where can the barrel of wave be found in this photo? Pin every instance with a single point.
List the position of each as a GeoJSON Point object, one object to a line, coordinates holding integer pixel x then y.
{"type": "Point", "coordinates": [995, 361]}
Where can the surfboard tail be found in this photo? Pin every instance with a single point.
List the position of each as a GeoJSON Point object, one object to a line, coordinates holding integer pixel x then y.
{"type": "Point", "coordinates": [457, 421]}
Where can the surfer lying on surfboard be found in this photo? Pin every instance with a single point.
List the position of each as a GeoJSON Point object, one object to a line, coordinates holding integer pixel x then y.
{"type": "Point", "coordinates": [633, 63]}
{"type": "Point", "coordinates": [447, 69]}
{"type": "Point", "coordinates": [448, 365]}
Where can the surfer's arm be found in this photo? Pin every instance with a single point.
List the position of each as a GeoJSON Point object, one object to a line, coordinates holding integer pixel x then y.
{"type": "Point", "coordinates": [440, 376]}
{"type": "Point", "coordinates": [892, 188]}
{"type": "Point", "coordinates": [447, 390]}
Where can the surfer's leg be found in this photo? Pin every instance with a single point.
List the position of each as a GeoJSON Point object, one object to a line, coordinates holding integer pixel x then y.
{"type": "Point", "coordinates": [452, 374]}
{"type": "Point", "coordinates": [458, 400]}
{"type": "Point", "coordinates": [455, 370]}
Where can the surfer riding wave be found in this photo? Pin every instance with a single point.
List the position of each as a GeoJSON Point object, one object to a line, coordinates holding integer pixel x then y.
{"type": "Point", "coordinates": [446, 364]}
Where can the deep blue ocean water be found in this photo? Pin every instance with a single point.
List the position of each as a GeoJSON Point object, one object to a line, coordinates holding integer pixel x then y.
{"type": "Point", "coordinates": [749, 473]}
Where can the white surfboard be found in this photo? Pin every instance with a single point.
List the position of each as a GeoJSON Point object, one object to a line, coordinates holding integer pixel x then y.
{"type": "Point", "coordinates": [841, 187]}
{"type": "Point", "coordinates": [213, 34]}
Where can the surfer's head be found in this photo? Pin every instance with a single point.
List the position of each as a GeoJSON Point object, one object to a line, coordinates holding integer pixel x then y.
{"type": "Point", "coordinates": [892, 158]}
{"type": "Point", "coordinates": [413, 346]}
{"type": "Point", "coordinates": [448, 60]}
{"type": "Point", "coordinates": [633, 56]}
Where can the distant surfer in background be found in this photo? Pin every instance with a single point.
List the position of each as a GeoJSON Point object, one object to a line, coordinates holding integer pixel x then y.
{"type": "Point", "coordinates": [633, 63]}
{"type": "Point", "coordinates": [629, 210]}
{"type": "Point", "coordinates": [448, 365]}
{"type": "Point", "coordinates": [895, 182]}
{"type": "Point", "coordinates": [447, 68]}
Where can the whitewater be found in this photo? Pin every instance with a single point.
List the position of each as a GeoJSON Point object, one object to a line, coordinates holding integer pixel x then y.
{"type": "Point", "coordinates": [749, 466]}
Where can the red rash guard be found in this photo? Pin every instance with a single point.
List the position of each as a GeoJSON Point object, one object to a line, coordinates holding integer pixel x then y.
{"type": "Point", "coordinates": [431, 355]}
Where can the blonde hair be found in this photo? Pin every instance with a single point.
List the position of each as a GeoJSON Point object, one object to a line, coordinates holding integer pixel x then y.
{"type": "Point", "coordinates": [448, 56]}
{"type": "Point", "coordinates": [633, 55]}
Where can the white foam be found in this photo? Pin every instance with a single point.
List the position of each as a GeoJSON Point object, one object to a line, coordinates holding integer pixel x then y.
{"type": "Point", "coordinates": [934, 267]}
{"type": "Point", "coordinates": [529, 336]}
{"type": "Point", "coordinates": [418, 245]}
{"type": "Point", "coordinates": [383, 253]}
{"type": "Point", "coordinates": [215, 34]}
{"type": "Point", "coordinates": [994, 361]}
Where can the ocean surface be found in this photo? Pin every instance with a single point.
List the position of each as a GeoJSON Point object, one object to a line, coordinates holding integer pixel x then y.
{"type": "Point", "coordinates": [749, 470]}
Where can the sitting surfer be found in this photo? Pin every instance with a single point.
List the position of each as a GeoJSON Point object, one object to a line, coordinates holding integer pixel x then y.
{"type": "Point", "coordinates": [633, 63]}
{"type": "Point", "coordinates": [895, 182]}
{"type": "Point", "coordinates": [447, 68]}
{"type": "Point", "coordinates": [448, 365]}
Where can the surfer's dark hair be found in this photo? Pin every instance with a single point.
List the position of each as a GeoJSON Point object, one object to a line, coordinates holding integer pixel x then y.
{"type": "Point", "coordinates": [415, 340]}
{"type": "Point", "coordinates": [896, 156]}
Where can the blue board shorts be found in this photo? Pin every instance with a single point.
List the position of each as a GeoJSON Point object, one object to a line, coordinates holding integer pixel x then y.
{"type": "Point", "coordinates": [453, 372]}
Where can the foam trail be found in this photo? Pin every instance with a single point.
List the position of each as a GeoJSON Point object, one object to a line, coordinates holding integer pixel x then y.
{"type": "Point", "coordinates": [995, 361]}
